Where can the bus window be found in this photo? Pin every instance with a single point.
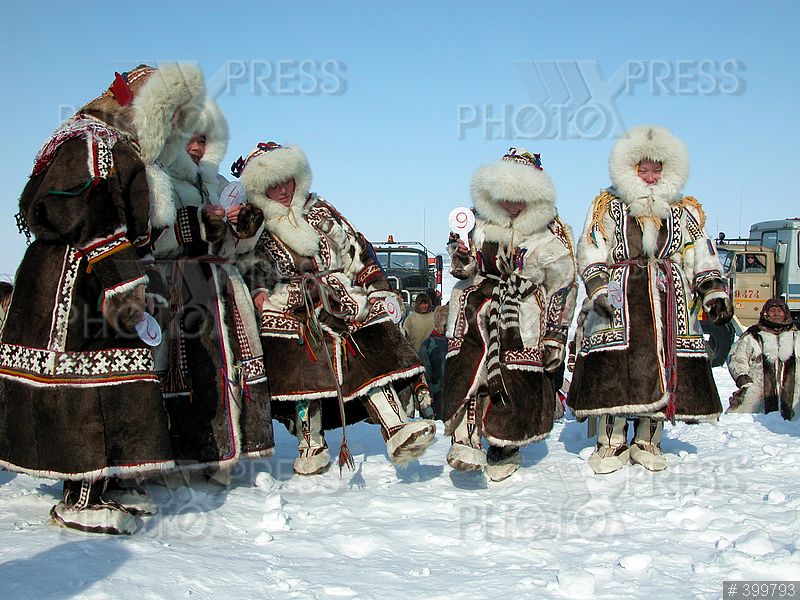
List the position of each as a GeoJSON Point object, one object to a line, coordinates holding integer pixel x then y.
{"type": "Point", "coordinates": [769, 239]}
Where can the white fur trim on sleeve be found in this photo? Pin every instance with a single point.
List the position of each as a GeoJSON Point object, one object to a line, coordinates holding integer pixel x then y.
{"type": "Point", "coordinates": [713, 296]}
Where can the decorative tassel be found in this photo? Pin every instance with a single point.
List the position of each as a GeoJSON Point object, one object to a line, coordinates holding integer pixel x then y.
{"type": "Point", "coordinates": [670, 411]}
{"type": "Point", "coordinates": [307, 283]}
{"type": "Point", "coordinates": [311, 354]}
{"type": "Point", "coordinates": [246, 391]}
{"type": "Point", "coordinates": [345, 458]}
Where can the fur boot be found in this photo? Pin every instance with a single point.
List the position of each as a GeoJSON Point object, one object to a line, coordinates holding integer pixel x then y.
{"type": "Point", "coordinates": [612, 451]}
{"type": "Point", "coordinates": [131, 495]}
{"type": "Point", "coordinates": [314, 456]}
{"type": "Point", "coordinates": [84, 509]}
{"type": "Point", "coordinates": [646, 447]}
{"type": "Point", "coordinates": [405, 440]}
{"type": "Point", "coordinates": [502, 462]}
{"type": "Point", "coordinates": [465, 452]}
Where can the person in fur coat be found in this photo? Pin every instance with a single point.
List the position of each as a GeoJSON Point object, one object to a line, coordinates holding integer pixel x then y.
{"type": "Point", "coordinates": [327, 338]}
{"type": "Point", "coordinates": [210, 360]}
{"type": "Point", "coordinates": [764, 364]}
{"type": "Point", "coordinates": [509, 316]}
{"type": "Point", "coordinates": [79, 397]}
{"type": "Point", "coordinates": [648, 266]}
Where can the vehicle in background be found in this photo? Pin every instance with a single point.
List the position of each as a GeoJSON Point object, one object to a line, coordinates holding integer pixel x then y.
{"type": "Point", "coordinates": [411, 269]}
{"type": "Point", "coordinates": [765, 265]}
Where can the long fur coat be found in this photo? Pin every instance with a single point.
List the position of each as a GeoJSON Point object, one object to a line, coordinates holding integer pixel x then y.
{"type": "Point", "coordinates": [641, 241]}
{"type": "Point", "coordinates": [365, 347]}
{"type": "Point", "coordinates": [210, 360]}
{"type": "Point", "coordinates": [523, 270]}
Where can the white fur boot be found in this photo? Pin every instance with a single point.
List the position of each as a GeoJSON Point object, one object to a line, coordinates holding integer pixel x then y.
{"type": "Point", "coordinates": [83, 509]}
{"type": "Point", "coordinates": [465, 452]}
{"type": "Point", "coordinates": [612, 451]}
{"type": "Point", "coordinates": [405, 440]}
{"type": "Point", "coordinates": [502, 462]}
{"type": "Point", "coordinates": [646, 447]}
{"type": "Point", "coordinates": [132, 496]}
{"type": "Point", "coordinates": [314, 456]}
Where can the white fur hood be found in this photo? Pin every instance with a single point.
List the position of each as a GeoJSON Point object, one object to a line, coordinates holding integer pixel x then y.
{"type": "Point", "coordinates": [516, 182]}
{"type": "Point", "coordinates": [169, 88]}
{"type": "Point", "coordinates": [212, 123]}
{"type": "Point", "coordinates": [264, 169]}
{"type": "Point", "coordinates": [655, 143]}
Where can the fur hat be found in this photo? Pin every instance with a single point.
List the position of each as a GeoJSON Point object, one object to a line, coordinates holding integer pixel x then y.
{"type": "Point", "coordinates": [517, 177]}
{"type": "Point", "coordinates": [143, 103]}
{"type": "Point", "coordinates": [211, 123]}
{"type": "Point", "coordinates": [786, 320]}
{"type": "Point", "coordinates": [421, 298]}
{"type": "Point", "coordinates": [172, 88]}
{"type": "Point", "coordinates": [655, 143]}
{"type": "Point", "coordinates": [267, 165]}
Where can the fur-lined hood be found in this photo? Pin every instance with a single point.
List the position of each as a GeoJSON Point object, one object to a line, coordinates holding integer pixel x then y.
{"type": "Point", "coordinates": [171, 87]}
{"type": "Point", "coordinates": [655, 143]}
{"type": "Point", "coordinates": [142, 103]}
{"type": "Point", "coordinates": [517, 182]}
{"type": "Point", "coordinates": [266, 168]}
{"type": "Point", "coordinates": [212, 123]}
{"type": "Point", "coordinates": [154, 96]}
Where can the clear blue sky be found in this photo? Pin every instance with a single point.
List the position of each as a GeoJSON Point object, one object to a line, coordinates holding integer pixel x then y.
{"type": "Point", "coordinates": [382, 133]}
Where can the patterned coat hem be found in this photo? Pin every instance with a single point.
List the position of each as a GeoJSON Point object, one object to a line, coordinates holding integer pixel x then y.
{"type": "Point", "coordinates": [145, 468]}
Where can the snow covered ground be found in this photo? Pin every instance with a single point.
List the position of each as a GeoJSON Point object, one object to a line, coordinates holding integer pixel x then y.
{"type": "Point", "coordinates": [726, 508]}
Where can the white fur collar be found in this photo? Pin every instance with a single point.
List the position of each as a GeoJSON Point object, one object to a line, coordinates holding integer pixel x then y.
{"type": "Point", "coordinates": [287, 223]}
{"type": "Point", "coordinates": [213, 125]}
{"type": "Point", "coordinates": [778, 347]}
{"type": "Point", "coordinates": [162, 201]}
{"type": "Point", "coordinates": [290, 226]}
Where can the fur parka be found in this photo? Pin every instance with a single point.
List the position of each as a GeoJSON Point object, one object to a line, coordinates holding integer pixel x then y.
{"type": "Point", "coordinates": [639, 243]}
{"type": "Point", "coordinates": [210, 360]}
{"type": "Point", "coordinates": [523, 271]}
{"type": "Point", "coordinates": [79, 400]}
{"type": "Point", "coordinates": [310, 258]}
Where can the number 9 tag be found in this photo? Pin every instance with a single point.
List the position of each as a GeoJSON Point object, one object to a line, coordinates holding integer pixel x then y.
{"type": "Point", "coordinates": [461, 221]}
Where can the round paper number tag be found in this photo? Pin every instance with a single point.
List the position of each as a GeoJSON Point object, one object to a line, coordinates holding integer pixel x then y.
{"type": "Point", "coordinates": [392, 307]}
{"type": "Point", "coordinates": [615, 297]}
{"type": "Point", "coordinates": [461, 221]}
{"type": "Point", "coordinates": [149, 331]}
{"type": "Point", "coordinates": [232, 195]}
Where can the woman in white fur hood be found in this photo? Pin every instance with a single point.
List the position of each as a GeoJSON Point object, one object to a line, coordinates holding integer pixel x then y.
{"type": "Point", "coordinates": [210, 360]}
{"type": "Point", "coordinates": [509, 317]}
{"type": "Point", "coordinates": [327, 338]}
{"type": "Point", "coordinates": [645, 258]}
